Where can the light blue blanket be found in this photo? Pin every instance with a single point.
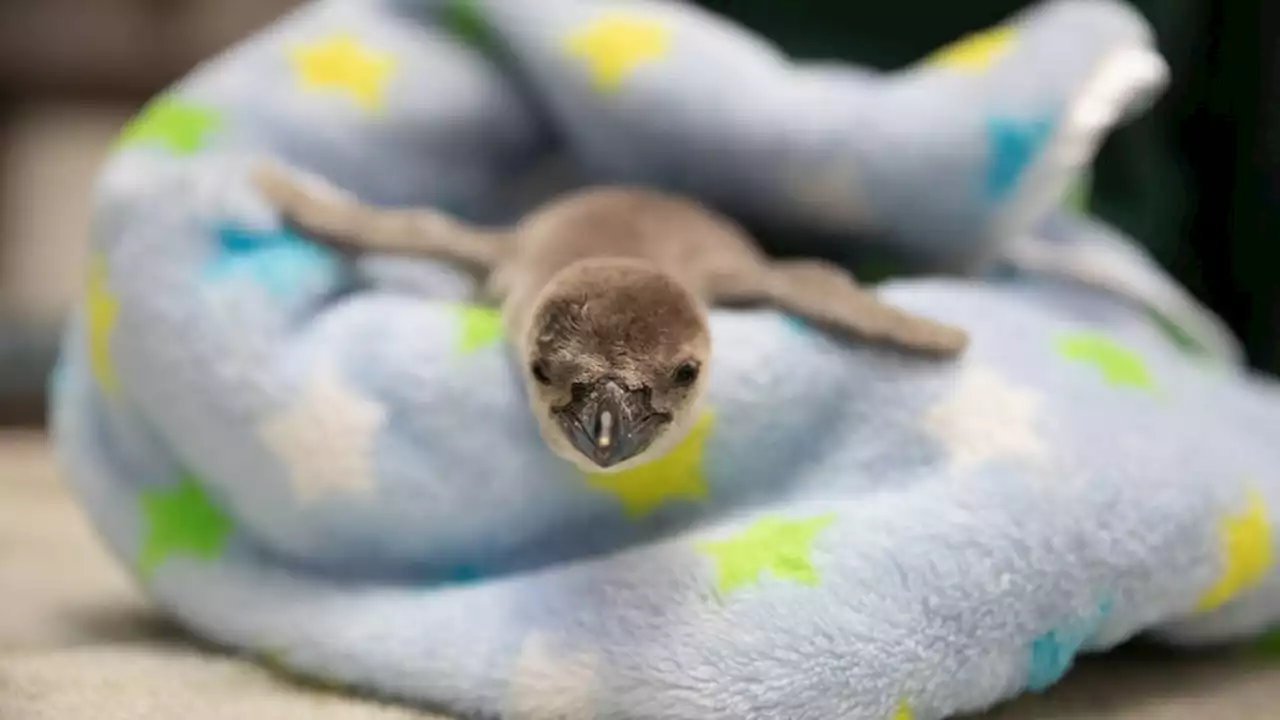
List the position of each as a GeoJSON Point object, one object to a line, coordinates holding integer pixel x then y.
{"type": "Point", "coordinates": [330, 465]}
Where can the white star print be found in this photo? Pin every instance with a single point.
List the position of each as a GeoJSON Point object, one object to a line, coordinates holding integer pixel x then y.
{"type": "Point", "coordinates": [550, 684]}
{"type": "Point", "coordinates": [987, 418]}
{"type": "Point", "coordinates": [325, 439]}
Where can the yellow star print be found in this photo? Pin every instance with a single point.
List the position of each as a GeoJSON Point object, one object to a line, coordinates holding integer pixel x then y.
{"type": "Point", "coordinates": [1246, 547]}
{"type": "Point", "coordinates": [101, 312]}
{"type": "Point", "coordinates": [676, 475]}
{"type": "Point", "coordinates": [904, 712]}
{"type": "Point", "coordinates": [775, 544]}
{"type": "Point", "coordinates": [974, 53]}
{"type": "Point", "coordinates": [616, 44]}
{"type": "Point", "coordinates": [342, 62]}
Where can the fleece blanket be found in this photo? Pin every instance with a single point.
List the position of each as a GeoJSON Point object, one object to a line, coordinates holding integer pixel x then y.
{"type": "Point", "coordinates": [329, 464]}
{"type": "Point", "coordinates": [77, 642]}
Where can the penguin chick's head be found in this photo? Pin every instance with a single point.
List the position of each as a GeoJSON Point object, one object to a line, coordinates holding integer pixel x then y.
{"type": "Point", "coordinates": [616, 363]}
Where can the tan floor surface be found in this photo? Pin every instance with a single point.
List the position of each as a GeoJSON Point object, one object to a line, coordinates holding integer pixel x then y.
{"type": "Point", "coordinates": [77, 642]}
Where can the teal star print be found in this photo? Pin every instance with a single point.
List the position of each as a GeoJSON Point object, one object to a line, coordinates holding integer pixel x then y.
{"type": "Point", "coordinates": [797, 324]}
{"type": "Point", "coordinates": [1053, 653]}
{"type": "Point", "coordinates": [1013, 145]}
{"type": "Point", "coordinates": [281, 261]}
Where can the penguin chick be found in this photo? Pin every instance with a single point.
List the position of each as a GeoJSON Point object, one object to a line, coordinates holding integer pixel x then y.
{"type": "Point", "coordinates": [604, 295]}
{"type": "Point", "coordinates": [615, 352]}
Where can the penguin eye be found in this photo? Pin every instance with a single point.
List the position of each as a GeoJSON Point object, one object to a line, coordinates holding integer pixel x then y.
{"type": "Point", "coordinates": [539, 371]}
{"type": "Point", "coordinates": [686, 374]}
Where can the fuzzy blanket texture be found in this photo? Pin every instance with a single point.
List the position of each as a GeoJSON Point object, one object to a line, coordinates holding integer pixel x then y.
{"type": "Point", "coordinates": [330, 464]}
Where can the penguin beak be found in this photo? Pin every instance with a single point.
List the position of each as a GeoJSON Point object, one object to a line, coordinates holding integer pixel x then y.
{"type": "Point", "coordinates": [611, 424]}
